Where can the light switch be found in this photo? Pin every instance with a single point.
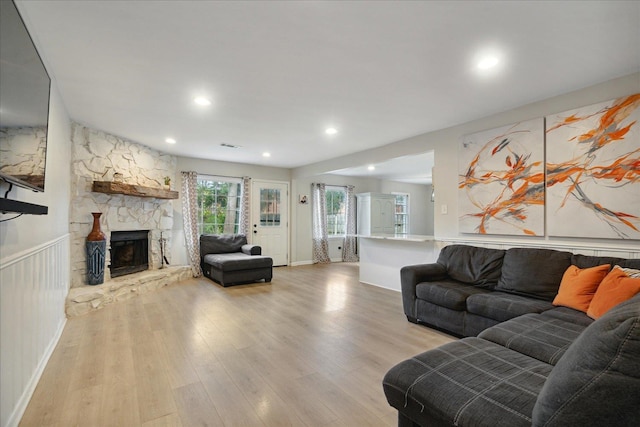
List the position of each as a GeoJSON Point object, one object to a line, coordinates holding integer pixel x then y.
{"type": "Point", "coordinates": [443, 209]}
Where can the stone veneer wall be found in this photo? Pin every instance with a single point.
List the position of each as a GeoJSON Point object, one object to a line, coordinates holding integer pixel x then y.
{"type": "Point", "coordinates": [96, 156]}
{"type": "Point", "coordinates": [23, 152]}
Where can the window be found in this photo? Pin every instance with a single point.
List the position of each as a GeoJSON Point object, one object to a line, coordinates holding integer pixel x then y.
{"type": "Point", "coordinates": [402, 213]}
{"type": "Point", "coordinates": [219, 201]}
{"type": "Point", "coordinates": [269, 207]}
{"type": "Point", "coordinates": [336, 212]}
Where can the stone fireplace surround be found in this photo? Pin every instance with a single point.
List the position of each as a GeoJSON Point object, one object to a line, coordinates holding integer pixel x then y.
{"type": "Point", "coordinates": [97, 156]}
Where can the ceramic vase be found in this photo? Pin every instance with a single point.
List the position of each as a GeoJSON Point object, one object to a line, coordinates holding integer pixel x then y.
{"type": "Point", "coordinates": [96, 247]}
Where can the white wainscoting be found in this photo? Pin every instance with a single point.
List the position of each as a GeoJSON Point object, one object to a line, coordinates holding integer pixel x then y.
{"type": "Point", "coordinates": [33, 288]}
{"type": "Point", "coordinates": [624, 250]}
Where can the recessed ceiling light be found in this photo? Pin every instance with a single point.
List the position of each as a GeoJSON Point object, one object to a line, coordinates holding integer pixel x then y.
{"type": "Point", "coordinates": [488, 62]}
{"type": "Point", "coordinates": [170, 141]}
{"type": "Point", "coordinates": [202, 101]}
{"type": "Point", "coordinates": [371, 168]}
{"type": "Point", "coordinates": [266, 154]}
{"type": "Point", "coordinates": [331, 131]}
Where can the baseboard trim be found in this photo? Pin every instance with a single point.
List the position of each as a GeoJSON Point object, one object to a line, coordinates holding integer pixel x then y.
{"type": "Point", "coordinates": [19, 409]}
{"type": "Point", "coordinates": [299, 263]}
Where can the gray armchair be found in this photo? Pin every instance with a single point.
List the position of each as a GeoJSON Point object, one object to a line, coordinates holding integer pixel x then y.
{"type": "Point", "coordinates": [229, 260]}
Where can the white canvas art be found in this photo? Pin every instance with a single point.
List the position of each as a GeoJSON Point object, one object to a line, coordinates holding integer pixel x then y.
{"type": "Point", "coordinates": [593, 170]}
{"type": "Point", "coordinates": [501, 180]}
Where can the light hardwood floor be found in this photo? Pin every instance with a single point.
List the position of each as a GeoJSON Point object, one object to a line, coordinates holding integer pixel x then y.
{"type": "Point", "coordinates": [309, 349]}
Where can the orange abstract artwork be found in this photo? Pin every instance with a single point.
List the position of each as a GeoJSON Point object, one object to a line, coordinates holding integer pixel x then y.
{"type": "Point", "coordinates": [501, 180]}
{"type": "Point", "coordinates": [593, 170]}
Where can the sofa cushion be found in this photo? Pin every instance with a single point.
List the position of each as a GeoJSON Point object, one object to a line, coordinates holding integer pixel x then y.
{"type": "Point", "coordinates": [447, 293]}
{"type": "Point", "coordinates": [473, 265]}
{"type": "Point", "coordinates": [237, 261]}
{"type": "Point", "coordinates": [597, 381]}
{"type": "Point", "coordinates": [586, 261]}
{"type": "Point", "coordinates": [502, 306]}
{"type": "Point", "coordinates": [533, 272]}
{"type": "Point", "coordinates": [436, 316]}
{"type": "Point", "coordinates": [541, 337]}
{"type": "Point", "coordinates": [221, 243]}
{"type": "Point", "coordinates": [568, 315]}
{"type": "Point", "coordinates": [467, 382]}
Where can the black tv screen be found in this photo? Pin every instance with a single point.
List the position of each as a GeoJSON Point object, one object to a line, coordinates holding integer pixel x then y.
{"type": "Point", "coordinates": [24, 103]}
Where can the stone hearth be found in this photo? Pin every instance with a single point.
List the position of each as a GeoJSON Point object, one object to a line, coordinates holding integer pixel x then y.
{"type": "Point", "coordinates": [84, 299]}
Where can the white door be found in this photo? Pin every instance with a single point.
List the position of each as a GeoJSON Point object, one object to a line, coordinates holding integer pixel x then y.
{"type": "Point", "coordinates": [270, 219]}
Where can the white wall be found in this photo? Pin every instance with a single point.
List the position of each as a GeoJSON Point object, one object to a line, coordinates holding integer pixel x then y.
{"type": "Point", "coordinates": [301, 247]}
{"type": "Point", "coordinates": [34, 273]}
{"type": "Point", "coordinates": [445, 145]}
{"type": "Point", "coordinates": [31, 230]}
{"type": "Point", "coordinates": [216, 168]}
{"type": "Point", "coordinates": [420, 205]}
{"type": "Point", "coordinates": [421, 211]}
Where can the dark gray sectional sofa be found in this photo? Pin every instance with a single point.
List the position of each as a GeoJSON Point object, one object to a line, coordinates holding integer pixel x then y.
{"type": "Point", "coordinates": [229, 260]}
{"type": "Point", "coordinates": [470, 289]}
{"type": "Point", "coordinates": [531, 363]}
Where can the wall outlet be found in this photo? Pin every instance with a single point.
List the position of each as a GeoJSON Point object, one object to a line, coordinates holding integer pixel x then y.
{"type": "Point", "coordinates": [443, 209]}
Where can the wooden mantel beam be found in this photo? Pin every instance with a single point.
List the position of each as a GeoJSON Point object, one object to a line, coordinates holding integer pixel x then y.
{"type": "Point", "coordinates": [110, 187]}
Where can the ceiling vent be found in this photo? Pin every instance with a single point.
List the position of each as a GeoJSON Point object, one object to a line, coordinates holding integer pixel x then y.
{"type": "Point", "coordinates": [229, 146]}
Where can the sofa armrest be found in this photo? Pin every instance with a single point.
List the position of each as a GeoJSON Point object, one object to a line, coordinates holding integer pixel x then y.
{"type": "Point", "coordinates": [252, 249]}
{"type": "Point", "coordinates": [410, 276]}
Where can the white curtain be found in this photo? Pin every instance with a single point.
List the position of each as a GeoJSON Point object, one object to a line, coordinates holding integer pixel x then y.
{"type": "Point", "coordinates": [190, 220]}
{"type": "Point", "coordinates": [319, 223]}
{"type": "Point", "coordinates": [349, 247]}
{"type": "Point", "coordinates": [244, 227]}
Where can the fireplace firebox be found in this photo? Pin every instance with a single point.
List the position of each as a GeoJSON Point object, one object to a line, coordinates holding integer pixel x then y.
{"type": "Point", "coordinates": [129, 252]}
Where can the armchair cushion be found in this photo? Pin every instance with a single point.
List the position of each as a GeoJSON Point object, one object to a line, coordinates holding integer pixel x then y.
{"type": "Point", "coordinates": [221, 244]}
{"type": "Point", "coordinates": [237, 261]}
{"type": "Point", "coordinates": [252, 249]}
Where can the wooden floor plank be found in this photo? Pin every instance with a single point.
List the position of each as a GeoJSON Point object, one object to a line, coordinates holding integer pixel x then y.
{"type": "Point", "coordinates": [195, 408]}
{"type": "Point", "coordinates": [308, 349]}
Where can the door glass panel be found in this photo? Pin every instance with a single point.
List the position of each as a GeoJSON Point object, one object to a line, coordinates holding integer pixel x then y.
{"type": "Point", "coordinates": [269, 207]}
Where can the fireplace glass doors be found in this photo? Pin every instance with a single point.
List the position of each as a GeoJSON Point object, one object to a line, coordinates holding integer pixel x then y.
{"type": "Point", "coordinates": [129, 252]}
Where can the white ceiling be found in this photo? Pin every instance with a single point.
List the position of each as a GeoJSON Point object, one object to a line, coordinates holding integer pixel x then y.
{"type": "Point", "coordinates": [279, 73]}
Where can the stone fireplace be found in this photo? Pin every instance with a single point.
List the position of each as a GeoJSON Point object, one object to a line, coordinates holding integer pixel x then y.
{"type": "Point", "coordinates": [129, 252]}
{"type": "Point", "coordinates": [98, 156]}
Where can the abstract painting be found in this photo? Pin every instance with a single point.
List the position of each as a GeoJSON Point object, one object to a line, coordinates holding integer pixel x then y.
{"type": "Point", "coordinates": [501, 180]}
{"type": "Point", "coordinates": [593, 170]}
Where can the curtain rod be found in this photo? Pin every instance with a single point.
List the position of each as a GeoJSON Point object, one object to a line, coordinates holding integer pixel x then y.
{"type": "Point", "coordinates": [219, 176]}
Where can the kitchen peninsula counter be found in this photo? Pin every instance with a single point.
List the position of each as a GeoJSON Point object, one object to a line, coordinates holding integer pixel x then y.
{"type": "Point", "coordinates": [383, 255]}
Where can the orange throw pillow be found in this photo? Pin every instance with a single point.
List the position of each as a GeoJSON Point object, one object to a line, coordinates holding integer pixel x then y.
{"type": "Point", "coordinates": [617, 287]}
{"type": "Point", "coordinates": [578, 286]}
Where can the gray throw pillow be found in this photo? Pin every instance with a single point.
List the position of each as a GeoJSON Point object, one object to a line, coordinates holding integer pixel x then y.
{"type": "Point", "coordinates": [597, 381]}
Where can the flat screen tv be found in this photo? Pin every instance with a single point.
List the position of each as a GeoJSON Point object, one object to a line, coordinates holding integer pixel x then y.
{"type": "Point", "coordinates": [24, 103]}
